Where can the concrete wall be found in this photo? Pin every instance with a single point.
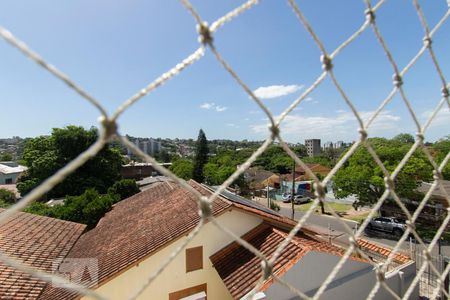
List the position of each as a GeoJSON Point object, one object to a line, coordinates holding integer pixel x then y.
{"type": "Point", "coordinates": [12, 176]}
{"type": "Point", "coordinates": [354, 281]}
{"type": "Point", "coordinates": [174, 277]}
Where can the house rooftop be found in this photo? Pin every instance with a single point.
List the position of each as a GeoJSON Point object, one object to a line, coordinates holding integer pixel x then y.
{"type": "Point", "coordinates": [12, 170]}
{"type": "Point", "coordinates": [38, 242]}
{"type": "Point", "coordinates": [139, 226]}
{"type": "Point", "coordinates": [240, 269]}
{"type": "Point", "coordinates": [424, 187]}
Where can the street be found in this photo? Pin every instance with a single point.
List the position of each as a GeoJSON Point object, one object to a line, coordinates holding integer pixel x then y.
{"type": "Point", "coordinates": [331, 228]}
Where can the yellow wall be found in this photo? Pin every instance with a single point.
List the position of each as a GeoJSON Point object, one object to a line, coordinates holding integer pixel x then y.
{"type": "Point", "coordinates": [174, 277]}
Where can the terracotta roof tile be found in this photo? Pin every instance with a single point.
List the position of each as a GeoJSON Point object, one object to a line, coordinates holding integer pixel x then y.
{"type": "Point", "coordinates": [136, 228]}
{"type": "Point", "coordinates": [38, 242]}
{"type": "Point", "coordinates": [240, 269]}
{"type": "Point", "coordinates": [142, 224]}
{"type": "Point", "coordinates": [383, 251]}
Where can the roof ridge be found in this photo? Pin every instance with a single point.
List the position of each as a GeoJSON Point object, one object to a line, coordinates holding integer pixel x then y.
{"type": "Point", "coordinates": [293, 240]}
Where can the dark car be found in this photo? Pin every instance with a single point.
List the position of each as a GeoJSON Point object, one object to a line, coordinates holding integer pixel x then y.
{"type": "Point", "coordinates": [391, 225]}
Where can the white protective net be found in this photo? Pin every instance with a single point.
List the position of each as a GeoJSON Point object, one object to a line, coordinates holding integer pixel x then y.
{"type": "Point", "coordinates": [109, 129]}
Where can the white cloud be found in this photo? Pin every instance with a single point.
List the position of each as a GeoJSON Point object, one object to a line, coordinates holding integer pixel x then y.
{"type": "Point", "coordinates": [247, 119]}
{"type": "Point", "coordinates": [343, 126]}
{"type": "Point", "coordinates": [207, 105]}
{"type": "Point", "coordinates": [307, 99]}
{"type": "Point", "coordinates": [221, 108]}
{"type": "Point", "coordinates": [212, 105]}
{"type": "Point", "coordinates": [440, 124]}
{"type": "Point", "coordinates": [275, 91]}
{"type": "Point", "coordinates": [442, 117]}
{"type": "Point", "coordinates": [232, 125]}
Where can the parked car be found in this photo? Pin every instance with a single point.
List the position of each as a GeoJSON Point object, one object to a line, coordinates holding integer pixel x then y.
{"type": "Point", "coordinates": [391, 225]}
{"type": "Point", "coordinates": [300, 199]}
{"type": "Point", "coordinates": [286, 198]}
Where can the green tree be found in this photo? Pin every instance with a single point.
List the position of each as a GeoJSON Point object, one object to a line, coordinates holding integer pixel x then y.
{"type": "Point", "coordinates": [362, 177]}
{"type": "Point", "coordinates": [45, 155]}
{"type": "Point", "coordinates": [87, 208]}
{"type": "Point", "coordinates": [7, 197]}
{"type": "Point", "coordinates": [441, 148]}
{"type": "Point", "coordinates": [201, 157]}
{"type": "Point", "coordinates": [5, 156]}
{"type": "Point", "coordinates": [183, 168]}
{"type": "Point", "coordinates": [210, 173]}
{"type": "Point", "coordinates": [40, 208]}
{"type": "Point", "coordinates": [404, 138]}
{"type": "Point", "coordinates": [124, 188]}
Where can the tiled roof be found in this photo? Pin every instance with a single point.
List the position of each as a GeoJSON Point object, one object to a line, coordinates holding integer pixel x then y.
{"type": "Point", "coordinates": [240, 269]}
{"type": "Point", "coordinates": [256, 174]}
{"type": "Point", "coordinates": [382, 251]}
{"type": "Point", "coordinates": [38, 242]}
{"type": "Point", "coordinates": [142, 224]}
{"type": "Point", "coordinates": [136, 228]}
{"type": "Point", "coordinates": [312, 167]}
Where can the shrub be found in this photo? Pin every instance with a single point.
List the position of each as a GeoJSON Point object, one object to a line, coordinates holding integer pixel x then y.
{"type": "Point", "coordinates": [7, 196]}
{"type": "Point", "coordinates": [274, 206]}
{"type": "Point", "coordinates": [124, 188]}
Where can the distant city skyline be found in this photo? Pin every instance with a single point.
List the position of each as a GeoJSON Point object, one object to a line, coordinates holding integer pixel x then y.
{"type": "Point", "coordinates": [120, 48]}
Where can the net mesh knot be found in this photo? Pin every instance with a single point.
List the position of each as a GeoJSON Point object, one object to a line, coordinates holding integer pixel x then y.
{"type": "Point", "coordinates": [370, 15]}
{"type": "Point", "coordinates": [267, 269]}
{"type": "Point", "coordinates": [397, 80]}
{"type": "Point", "coordinates": [205, 208]}
{"type": "Point", "coordinates": [427, 41]}
{"type": "Point", "coordinates": [109, 126]}
{"type": "Point", "coordinates": [327, 64]}
{"type": "Point", "coordinates": [205, 34]}
{"type": "Point", "coordinates": [445, 92]}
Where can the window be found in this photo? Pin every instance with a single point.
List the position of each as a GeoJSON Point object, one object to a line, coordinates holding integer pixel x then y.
{"type": "Point", "coordinates": [194, 259]}
{"type": "Point", "coordinates": [198, 296]}
{"type": "Point", "coordinates": [8, 181]}
{"type": "Point", "coordinates": [197, 292]}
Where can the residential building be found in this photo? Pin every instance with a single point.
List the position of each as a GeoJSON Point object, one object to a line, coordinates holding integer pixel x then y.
{"type": "Point", "coordinates": [313, 147]}
{"type": "Point", "coordinates": [37, 241]}
{"type": "Point", "coordinates": [148, 146]}
{"type": "Point", "coordinates": [432, 214]}
{"type": "Point", "coordinates": [328, 145]}
{"type": "Point", "coordinates": [301, 174]}
{"type": "Point", "coordinates": [10, 171]}
{"type": "Point", "coordinates": [339, 144]}
{"type": "Point", "coordinates": [138, 171]}
{"type": "Point", "coordinates": [256, 177]}
{"type": "Point", "coordinates": [132, 241]}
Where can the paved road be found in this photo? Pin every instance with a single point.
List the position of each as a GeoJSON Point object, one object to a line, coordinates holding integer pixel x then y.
{"type": "Point", "coordinates": [330, 225]}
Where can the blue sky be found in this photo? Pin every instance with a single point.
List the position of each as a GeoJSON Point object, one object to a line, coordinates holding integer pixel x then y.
{"type": "Point", "coordinates": [115, 48]}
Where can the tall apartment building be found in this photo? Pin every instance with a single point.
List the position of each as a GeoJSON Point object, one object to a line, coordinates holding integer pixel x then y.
{"type": "Point", "coordinates": [327, 145]}
{"type": "Point", "coordinates": [148, 146]}
{"type": "Point", "coordinates": [339, 144]}
{"type": "Point", "coordinates": [313, 147]}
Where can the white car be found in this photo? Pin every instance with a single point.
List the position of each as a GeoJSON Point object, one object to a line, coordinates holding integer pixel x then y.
{"type": "Point", "coordinates": [300, 199]}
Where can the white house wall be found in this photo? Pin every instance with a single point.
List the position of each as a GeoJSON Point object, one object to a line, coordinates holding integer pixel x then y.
{"type": "Point", "coordinates": [174, 277]}
{"type": "Point", "coordinates": [12, 176]}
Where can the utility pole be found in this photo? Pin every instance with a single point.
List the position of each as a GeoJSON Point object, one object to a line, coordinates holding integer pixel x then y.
{"type": "Point", "coordinates": [293, 189]}
{"type": "Point", "coordinates": [268, 199]}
